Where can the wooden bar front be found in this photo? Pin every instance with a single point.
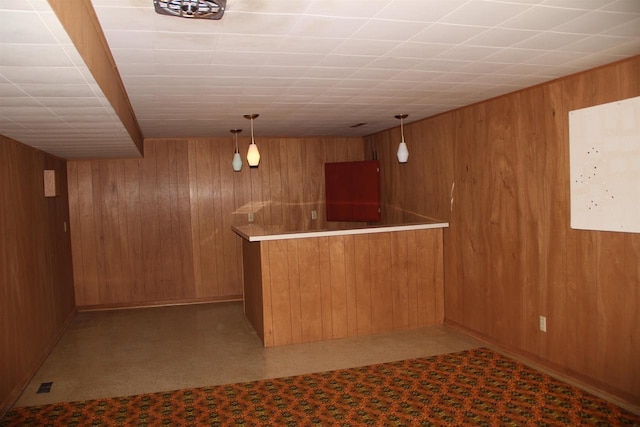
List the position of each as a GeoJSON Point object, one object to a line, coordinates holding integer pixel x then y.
{"type": "Point", "coordinates": [322, 288]}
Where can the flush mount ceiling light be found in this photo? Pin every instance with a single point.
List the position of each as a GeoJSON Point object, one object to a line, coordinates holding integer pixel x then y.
{"type": "Point", "coordinates": [201, 9]}
{"type": "Point", "coordinates": [253, 155]}
{"type": "Point", "coordinates": [403, 151]}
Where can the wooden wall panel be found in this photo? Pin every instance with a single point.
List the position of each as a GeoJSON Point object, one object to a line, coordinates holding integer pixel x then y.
{"type": "Point", "coordinates": [158, 229]}
{"type": "Point", "coordinates": [430, 163]}
{"type": "Point", "coordinates": [36, 281]}
{"type": "Point", "coordinates": [510, 254]}
{"type": "Point", "coordinates": [343, 286]}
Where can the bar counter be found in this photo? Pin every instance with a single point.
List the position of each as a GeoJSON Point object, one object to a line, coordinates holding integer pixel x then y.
{"type": "Point", "coordinates": [341, 281]}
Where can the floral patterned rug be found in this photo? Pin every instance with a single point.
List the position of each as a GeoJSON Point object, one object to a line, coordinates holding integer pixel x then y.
{"type": "Point", "coordinates": [475, 387]}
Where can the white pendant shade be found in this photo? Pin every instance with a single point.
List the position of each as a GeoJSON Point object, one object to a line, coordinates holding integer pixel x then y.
{"type": "Point", "coordinates": [253, 155]}
{"type": "Point", "coordinates": [403, 152]}
{"type": "Point", "coordinates": [237, 162]}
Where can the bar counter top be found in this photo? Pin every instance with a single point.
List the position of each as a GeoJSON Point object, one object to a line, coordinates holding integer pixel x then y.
{"type": "Point", "coordinates": [257, 233]}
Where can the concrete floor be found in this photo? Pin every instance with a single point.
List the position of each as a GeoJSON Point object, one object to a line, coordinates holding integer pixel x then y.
{"type": "Point", "coordinates": [126, 352]}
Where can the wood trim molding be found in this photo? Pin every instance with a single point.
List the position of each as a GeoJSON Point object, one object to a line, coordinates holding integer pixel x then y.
{"type": "Point", "coordinates": [81, 24]}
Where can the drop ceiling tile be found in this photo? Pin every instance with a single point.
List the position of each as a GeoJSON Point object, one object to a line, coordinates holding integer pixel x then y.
{"type": "Point", "coordinates": [555, 58]}
{"type": "Point", "coordinates": [25, 28]}
{"type": "Point", "coordinates": [595, 22]}
{"type": "Point", "coordinates": [549, 41]}
{"type": "Point", "coordinates": [447, 34]}
{"type": "Point", "coordinates": [468, 53]}
{"type": "Point", "coordinates": [624, 6]}
{"type": "Point", "coordinates": [484, 13]}
{"type": "Point", "coordinates": [326, 27]}
{"type": "Point", "coordinates": [364, 47]}
{"type": "Point", "coordinates": [581, 4]}
{"type": "Point", "coordinates": [514, 55]}
{"type": "Point", "coordinates": [417, 10]}
{"type": "Point", "coordinates": [268, 7]}
{"type": "Point", "coordinates": [388, 30]}
{"type": "Point", "coordinates": [394, 63]}
{"type": "Point", "coordinates": [284, 59]}
{"type": "Point", "coordinates": [177, 41]}
{"type": "Point", "coordinates": [57, 90]}
{"type": "Point", "coordinates": [8, 90]}
{"type": "Point", "coordinates": [42, 75]}
{"type": "Point", "coordinates": [594, 44]}
{"type": "Point", "coordinates": [133, 56]}
{"type": "Point", "coordinates": [124, 18]}
{"type": "Point", "coordinates": [351, 8]}
{"type": "Point", "coordinates": [15, 5]}
{"type": "Point", "coordinates": [443, 65]}
{"type": "Point", "coordinates": [29, 55]}
{"type": "Point", "coordinates": [70, 102]}
{"type": "Point", "coordinates": [137, 69]}
{"type": "Point", "coordinates": [282, 72]}
{"type": "Point", "coordinates": [133, 40]}
{"type": "Point", "coordinates": [256, 24]}
{"type": "Point", "coordinates": [18, 101]}
{"type": "Point", "coordinates": [631, 29]}
{"type": "Point", "coordinates": [350, 61]}
{"type": "Point", "coordinates": [304, 45]}
{"type": "Point", "coordinates": [542, 18]}
{"type": "Point", "coordinates": [417, 50]}
{"type": "Point", "coordinates": [500, 37]}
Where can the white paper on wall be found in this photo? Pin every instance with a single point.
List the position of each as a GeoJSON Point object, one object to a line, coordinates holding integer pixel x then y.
{"type": "Point", "coordinates": [604, 143]}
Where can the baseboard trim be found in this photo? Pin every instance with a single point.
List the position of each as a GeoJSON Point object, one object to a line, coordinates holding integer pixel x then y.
{"type": "Point", "coordinates": [583, 382]}
{"type": "Point", "coordinates": [17, 391]}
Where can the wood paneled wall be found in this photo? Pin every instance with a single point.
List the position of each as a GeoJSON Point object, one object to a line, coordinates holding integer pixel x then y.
{"type": "Point", "coordinates": [158, 229]}
{"type": "Point", "coordinates": [428, 174]}
{"type": "Point", "coordinates": [36, 287]}
{"type": "Point", "coordinates": [510, 254]}
{"type": "Point", "coordinates": [325, 288]}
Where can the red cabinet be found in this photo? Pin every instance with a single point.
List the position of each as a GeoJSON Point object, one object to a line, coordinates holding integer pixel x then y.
{"type": "Point", "coordinates": [353, 191]}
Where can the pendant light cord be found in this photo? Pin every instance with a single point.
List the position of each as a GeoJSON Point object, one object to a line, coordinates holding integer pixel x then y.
{"type": "Point", "coordinates": [402, 128]}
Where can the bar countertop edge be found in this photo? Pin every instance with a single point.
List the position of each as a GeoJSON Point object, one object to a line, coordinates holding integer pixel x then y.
{"type": "Point", "coordinates": [257, 233]}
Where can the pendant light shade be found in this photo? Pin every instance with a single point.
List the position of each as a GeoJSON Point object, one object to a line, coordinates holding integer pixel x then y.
{"type": "Point", "coordinates": [237, 160]}
{"type": "Point", "coordinates": [403, 151]}
{"type": "Point", "coordinates": [253, 155]}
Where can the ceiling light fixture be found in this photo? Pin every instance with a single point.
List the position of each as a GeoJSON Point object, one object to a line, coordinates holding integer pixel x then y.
{"type": "Point", "coordinates": [237, 160]}
{"type": "Point", "coordinates": [253, 155]}
{"type": "Point", "coordinates": [202, 9]}
{"type": "Point", "coordinates": [403, 151]}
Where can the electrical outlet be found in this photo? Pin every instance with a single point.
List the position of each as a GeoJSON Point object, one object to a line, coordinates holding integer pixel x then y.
{"type": "Point", "coordinates": [250, 216]}
{"type": "Point", "coordinates": [543, 324]}
{"type": "Point", "coordinates": [314, 214]}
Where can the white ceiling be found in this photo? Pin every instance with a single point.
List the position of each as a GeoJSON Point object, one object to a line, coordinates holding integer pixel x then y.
{"type": "Point", "coordinates": [308, 67]}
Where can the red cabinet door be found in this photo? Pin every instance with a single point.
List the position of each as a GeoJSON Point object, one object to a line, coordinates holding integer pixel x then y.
{"type": "Point", "coordinates": [353, 191]}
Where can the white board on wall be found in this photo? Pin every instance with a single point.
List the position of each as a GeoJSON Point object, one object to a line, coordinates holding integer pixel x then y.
{"type": "Point", "coordinates": [604, 157]}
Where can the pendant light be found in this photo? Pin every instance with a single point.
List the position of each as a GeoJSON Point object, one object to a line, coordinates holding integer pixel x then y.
{"type": "Point", "coordinates": [253, 155]}
{"type": "Point", "coordinates": [403, 152]}
{"type": "Point", "coordinates": [237, 160]}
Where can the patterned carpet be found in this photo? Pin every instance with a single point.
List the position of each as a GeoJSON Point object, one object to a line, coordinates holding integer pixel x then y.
{"type": "Point", "coordinates": [475, 387]}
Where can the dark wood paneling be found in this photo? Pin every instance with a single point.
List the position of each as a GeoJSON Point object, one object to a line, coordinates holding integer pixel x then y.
{"type": "Point", "coordinates": [158, 229]}
{"type": "Point", "coordinates": [510, 254]}
{"type": "Point", "coordinates": [36, 281]}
